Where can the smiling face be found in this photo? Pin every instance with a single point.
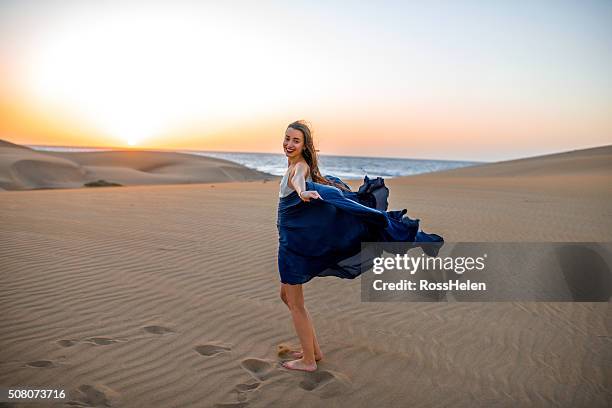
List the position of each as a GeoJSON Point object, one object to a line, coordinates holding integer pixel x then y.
{"type": "Point", "coordinates": [293, 144]}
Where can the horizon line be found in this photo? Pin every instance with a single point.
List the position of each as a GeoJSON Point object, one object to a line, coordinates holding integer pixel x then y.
{"type": "Point", "coordinates": [128, 148]}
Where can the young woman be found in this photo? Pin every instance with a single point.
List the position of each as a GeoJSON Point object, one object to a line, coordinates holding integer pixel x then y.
{"type": "Point", "coordinates": [321, 225]}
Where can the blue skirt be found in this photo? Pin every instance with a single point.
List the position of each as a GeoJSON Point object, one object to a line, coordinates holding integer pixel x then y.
{"type": "Point", "coordinates": [324, 237]}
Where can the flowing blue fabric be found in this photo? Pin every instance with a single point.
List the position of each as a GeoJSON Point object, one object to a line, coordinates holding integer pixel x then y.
{"type": "Point", "coordinates": [324, 237]}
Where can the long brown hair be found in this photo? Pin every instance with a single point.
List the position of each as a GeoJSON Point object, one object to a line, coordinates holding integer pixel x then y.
{"type": "Point", "coordinates": [310, 154]}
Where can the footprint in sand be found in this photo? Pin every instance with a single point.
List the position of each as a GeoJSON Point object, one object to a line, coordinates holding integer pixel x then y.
{"type": "Point", "coordinates": [67, 342]}
{"type": "Point", "coordinates": [93, 396]}
{"type": "Point", "coordinates": [243, 389]}
{"type": "Point", "coordinates": [157, 330]}
{"type": "Point", "coordinates": [258, 368]}
{"type": "Point", "coordinates": [102, 341]}
{"type": "Point", "coordinates": [41, 364]}
{"type": "Point", "coordinates": [212, 349]}
{"type": "Point", "coordinates": [246, 387]}
{"type": "Point", "coordinates": [327, 383]}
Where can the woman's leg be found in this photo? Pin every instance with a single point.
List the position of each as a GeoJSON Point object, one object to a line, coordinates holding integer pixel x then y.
{"type": "Point", "coordinates": [317, 349]}
{"type": "Point", "coordinates": [303, 326]}
{"type": "Point", "coordinates": [315, 342]}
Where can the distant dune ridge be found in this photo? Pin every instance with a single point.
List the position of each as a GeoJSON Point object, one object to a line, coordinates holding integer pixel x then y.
{"type": "Point", "coordinates": [22, 168]}
{"type": "Point", "coordinates": [585, 172]}
{"type": "Point", "coordinates": [595, 160]}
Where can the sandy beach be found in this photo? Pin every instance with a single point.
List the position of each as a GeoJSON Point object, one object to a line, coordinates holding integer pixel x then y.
{"type": "Point", "coordinates": [162, 294]}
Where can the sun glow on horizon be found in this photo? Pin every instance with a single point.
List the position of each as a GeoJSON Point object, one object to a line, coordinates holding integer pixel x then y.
{"type": "Point", "coordinates": [135, 81]}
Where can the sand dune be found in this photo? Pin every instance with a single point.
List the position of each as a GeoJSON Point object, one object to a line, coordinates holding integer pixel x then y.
{"type": "Point", "coordinates": [580, 172]}
{"type": "Point", "coordinates": [4, 143]}
{"type": "Point", "coordinates": [164, 296]}
{"type": "Point", "coordinates": [596, 160]}
{"type": "Point", "coordinates": [22, 168]}
{"type": "Point", "coordinates": [576, 174]}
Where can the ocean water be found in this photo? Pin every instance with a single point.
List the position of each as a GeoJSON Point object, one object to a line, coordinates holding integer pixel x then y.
{"type": "Point", "coordinates": [340, 166]}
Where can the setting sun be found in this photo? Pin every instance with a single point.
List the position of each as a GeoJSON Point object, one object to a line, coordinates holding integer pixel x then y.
{"type": "Point", "coordinates": [134, 81]}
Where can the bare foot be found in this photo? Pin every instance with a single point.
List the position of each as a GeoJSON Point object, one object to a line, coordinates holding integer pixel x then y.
{"type": "Point", "coordinates": [299, 365]}
{"type": "Point", "coordinates": [300, 354]}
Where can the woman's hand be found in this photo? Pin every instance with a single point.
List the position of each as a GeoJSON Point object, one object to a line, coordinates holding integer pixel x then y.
{"type": "Point", "coordinates": [307, 195]}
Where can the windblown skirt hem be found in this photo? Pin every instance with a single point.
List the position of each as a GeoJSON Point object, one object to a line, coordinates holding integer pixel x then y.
{"type": "Point", "coordinates": [324, 237]}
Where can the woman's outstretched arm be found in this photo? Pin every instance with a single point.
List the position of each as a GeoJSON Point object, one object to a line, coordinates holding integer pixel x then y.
{"type": "Point", "coordinates": [299, 182]}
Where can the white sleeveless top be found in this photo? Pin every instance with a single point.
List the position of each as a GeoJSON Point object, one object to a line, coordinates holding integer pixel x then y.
{"type": "Point", "coordinates": [285, 188]}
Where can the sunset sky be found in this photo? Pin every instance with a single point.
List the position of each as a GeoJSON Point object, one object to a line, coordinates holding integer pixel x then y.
{"type": "Point", "coordinates": [465, 80]}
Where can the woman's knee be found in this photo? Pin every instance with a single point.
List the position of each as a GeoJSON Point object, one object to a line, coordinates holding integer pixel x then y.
{"type": "Point", "coordinates": [293, 297]}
